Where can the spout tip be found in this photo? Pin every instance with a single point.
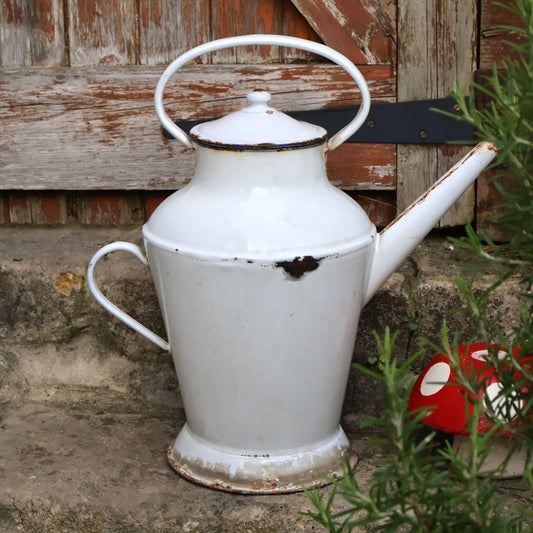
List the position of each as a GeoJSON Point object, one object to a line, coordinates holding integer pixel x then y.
{"type": "Point", "coordinates": [487, 145]}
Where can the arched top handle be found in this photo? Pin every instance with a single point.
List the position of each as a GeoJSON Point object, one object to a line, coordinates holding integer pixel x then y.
{"type": "Point", "coordinates": [272, 40]}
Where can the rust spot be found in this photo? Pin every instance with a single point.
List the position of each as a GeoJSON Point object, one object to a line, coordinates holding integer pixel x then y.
{"type": "Point", "coordinates": [299, 266]}
{"type": "Point", "coordinates": [264, 485]}
{"type": "Point", "coordinates": [269, 485]}
{"type": "Point", "coordinates": [269, 112]}
{"type": "Point", "coordinates": [437, 184]}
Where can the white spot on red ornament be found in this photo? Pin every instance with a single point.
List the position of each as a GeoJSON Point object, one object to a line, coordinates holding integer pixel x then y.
{"type": "Point", "coordinates": [436, 377]}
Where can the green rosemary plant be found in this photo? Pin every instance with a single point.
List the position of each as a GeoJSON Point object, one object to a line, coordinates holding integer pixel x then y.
{"type": "Point", "coordinates": [419, 487]}
{"type": "Point", "coordinates": [424, 486]}
{"type": "Point", "coordinates": [507, 121]}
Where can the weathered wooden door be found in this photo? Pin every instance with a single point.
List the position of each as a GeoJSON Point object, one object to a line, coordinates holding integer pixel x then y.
{"type": "Point", "coordinates": [79, 138]}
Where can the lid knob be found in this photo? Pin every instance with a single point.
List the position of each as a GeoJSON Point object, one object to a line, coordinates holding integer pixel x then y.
{"type": "Point", "coordinates": [258, 100]}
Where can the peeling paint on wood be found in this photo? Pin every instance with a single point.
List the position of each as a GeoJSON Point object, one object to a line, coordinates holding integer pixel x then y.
{"type": "Point", "coordinates": [96, 128]}
{"type": "Point", "coordinates": [109, 208]}
{"type": "Point", "coordinates": [380, 206]}
{"type": "Point", "coordinates": [363, 166]}
{"type": "Point", "coordinates": [242, 17]}
{"type": "Point", "coordinates": [437, 50]}
{"type": "Point", "coordinates": [293, 23]}
{"type": "Point", "coordinates": [31, 33]}
{"type": "Point", "coordinates": [101, 32]}
{"type": "Point", "coordinates": [494, 39]}
{"type": "Point", "coordinates": [169, 28]}
{"type": "Point", "coordinates": [360, 29]}
{"type": "Point", "coordinates": [43, 207]}
{"type": "Point", "coordinates": [75, 129]}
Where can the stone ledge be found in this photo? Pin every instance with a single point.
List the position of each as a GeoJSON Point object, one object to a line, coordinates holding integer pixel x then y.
{"type": "Point", "coordinates": [58, 343]}
{"type": "Point", "coordinates": [88, 407]}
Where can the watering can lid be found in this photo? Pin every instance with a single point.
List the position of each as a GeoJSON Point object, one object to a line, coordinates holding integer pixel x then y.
{"type": "Point", "coordinates": [258, 127]}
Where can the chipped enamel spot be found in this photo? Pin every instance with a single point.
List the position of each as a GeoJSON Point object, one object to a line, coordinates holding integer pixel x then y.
{"type": "Point", "coordinates": [436, 377]}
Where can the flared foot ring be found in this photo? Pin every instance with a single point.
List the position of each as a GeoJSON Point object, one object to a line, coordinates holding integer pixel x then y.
{"type": "Point", "coordinates": [248, 473]}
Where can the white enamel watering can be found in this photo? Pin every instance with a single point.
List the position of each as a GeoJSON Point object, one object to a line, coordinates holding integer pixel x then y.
{"type": "Point", "coordinates": [261, 269]}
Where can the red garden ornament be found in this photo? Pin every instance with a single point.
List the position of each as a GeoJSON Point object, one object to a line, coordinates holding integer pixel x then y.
{"type": "Point", "coordinates": [449, 405]}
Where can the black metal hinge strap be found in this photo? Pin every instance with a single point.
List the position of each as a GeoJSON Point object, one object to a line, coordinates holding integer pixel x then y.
{"type": "Point", "coordinates": [398, 123]}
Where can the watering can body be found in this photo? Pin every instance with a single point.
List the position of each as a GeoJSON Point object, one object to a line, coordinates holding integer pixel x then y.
{"type": "Point", "coordinates": [261, 269]}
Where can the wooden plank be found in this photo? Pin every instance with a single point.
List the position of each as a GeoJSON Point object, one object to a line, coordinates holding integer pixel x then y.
{"type": "Point", "coordinates": [134, 207]}
{"type": "Point", "coordinates": [194, 92]}
{"type": "Point", "coordinates": [101, 32]}
{"type": "Point", "coordinates": [4, 211]}
{"type": "Point", "coordinates": [52, 208]}
{"type": "Point", "coordinates": [170, 27]}
{"type": "Point", "coordinates": [126, 207]}
{"type": "Point", "coordinates": [488, 201]}
{"type": "Point", "coordinates": [361, 30]}
{"type": "Point", "coordinates": [152, 200]}
{"type": "Point", "coordinates": [492, 40]}
{"type": "Point", "coordinates": [437, 50]}
{"type": "Point", "coordinates": [456, 63]}
{"type": "Point", "coordinates": [493, 48]}
{"type": "Point", "coordinates": [294, 23]}
{"type": "Point", "coordinates": [4, 208]}
{"type": "Point", "coordinates": [78, 129]}
{"type": "Point", "coordinates": [42, 207]}
{"type": "Point", "coordinates": [19, 205]}
{"type": "Point", "coordinates": [363, 166]}
{"type": "Point", "coordinates": [109, 208]}
{"type": "Point", "coordinates": [488, 197]}
{"type": "Point", "coordinates": [380, 206]}
{"type": "Point", "coordinates": [416, 165]}
{"type": "Point", "coordinates": [31, 33]}
{"type": "Point", "coordinates": [243, 17]}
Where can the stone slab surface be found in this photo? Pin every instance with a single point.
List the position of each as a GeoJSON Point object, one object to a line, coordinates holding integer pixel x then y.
{"type": "Point", "coordinates": [56, 340]}
{"type": "Point", "coordinates": [100, 467]}
{"type": "Point", "coordinates": [88, 407]}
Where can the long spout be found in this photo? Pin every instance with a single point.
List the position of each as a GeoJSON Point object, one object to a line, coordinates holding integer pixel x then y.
{"type": "Point", "coordinates": [402, 235]}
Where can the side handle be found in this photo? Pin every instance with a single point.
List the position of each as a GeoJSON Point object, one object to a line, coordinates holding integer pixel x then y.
{"type": "Point", "coordinates": [112, 308]}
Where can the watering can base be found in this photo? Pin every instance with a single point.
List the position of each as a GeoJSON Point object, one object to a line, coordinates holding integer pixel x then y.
{"type": "Point", "coordinates": [260, 473]}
